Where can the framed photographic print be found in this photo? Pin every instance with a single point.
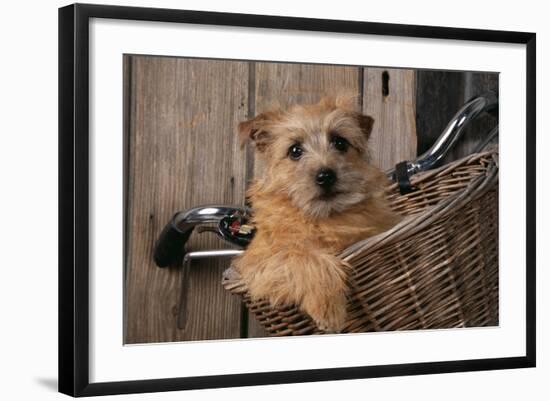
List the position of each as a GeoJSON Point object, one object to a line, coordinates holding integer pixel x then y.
{"type": "Point", "coordinates": [250, 199]}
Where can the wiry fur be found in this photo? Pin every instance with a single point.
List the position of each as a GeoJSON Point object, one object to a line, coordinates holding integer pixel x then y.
{"type": "Point", "coordinates": [292, 258]}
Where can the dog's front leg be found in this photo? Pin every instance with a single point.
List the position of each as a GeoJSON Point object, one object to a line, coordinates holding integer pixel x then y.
{"type": "Point", "coordinates": [324, 290]}
{"type": "Point", "coordinates": [314, 281]}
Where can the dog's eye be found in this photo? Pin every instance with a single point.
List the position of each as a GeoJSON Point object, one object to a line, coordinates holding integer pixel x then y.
{"type": "Point", "coordinates": [339, 143]}
{"type": "Point", "coordinates": [295, 151]}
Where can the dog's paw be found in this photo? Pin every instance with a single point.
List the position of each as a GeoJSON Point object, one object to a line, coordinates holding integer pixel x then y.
{"type": "Point", "coordinates": [329, 316]}
{"type": "Point", "coordinates": [325, 327]}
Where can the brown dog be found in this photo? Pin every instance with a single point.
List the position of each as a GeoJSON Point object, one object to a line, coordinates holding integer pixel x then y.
{"type": "Point", "coordinates": [319, 194]}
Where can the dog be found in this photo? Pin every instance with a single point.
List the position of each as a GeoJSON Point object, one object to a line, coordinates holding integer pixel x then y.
{"type": "Point", "coordinates": [319, 194]}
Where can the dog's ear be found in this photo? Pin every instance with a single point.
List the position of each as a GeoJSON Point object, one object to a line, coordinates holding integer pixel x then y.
{"type": "Point", "coordinates": [365, 123]}
{"type": "Point", "coordinates": [347, 100]}
{"type": "Point", "coordinates": [257, 131]}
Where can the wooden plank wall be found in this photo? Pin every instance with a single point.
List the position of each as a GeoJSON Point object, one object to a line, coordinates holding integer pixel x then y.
{"type": "Point", "coordinates": [389, 96]}
{"type": "Point", "coordinates": [182, 151]}
{"type": "Point", "coordinates": [182, 114]}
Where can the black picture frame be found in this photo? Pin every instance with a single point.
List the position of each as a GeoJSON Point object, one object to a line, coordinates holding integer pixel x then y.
{"type": "Point", "coordinates": [74, 198]}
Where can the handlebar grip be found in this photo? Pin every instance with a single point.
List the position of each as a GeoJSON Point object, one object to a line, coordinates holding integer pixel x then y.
{"type": "Point", "coordinates": [169, 248]}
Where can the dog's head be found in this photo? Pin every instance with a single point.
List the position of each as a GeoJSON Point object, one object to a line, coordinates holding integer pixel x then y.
{"type": "Point", "coordinates": [316, 154]}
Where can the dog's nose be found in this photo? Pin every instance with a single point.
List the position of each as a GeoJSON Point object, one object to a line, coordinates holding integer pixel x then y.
{"type": "Point", "coordinates": [325, 178]}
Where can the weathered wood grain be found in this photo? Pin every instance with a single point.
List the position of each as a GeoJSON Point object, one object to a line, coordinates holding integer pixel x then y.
{"type": "Point", "coordinates": [439, 95]}
{"type": "Point", "coordinates": [183, 153]}
{"type": "Point", "coordinates": [127, 105]}
{"type": "Point", "coordinates": [286, 84]}
{"type": "Point", "coordinates": [281, 85]}
{"type": "Point", "coordinates": [475, 84]}
{"type": "Point", "coordinates": [389, 97]}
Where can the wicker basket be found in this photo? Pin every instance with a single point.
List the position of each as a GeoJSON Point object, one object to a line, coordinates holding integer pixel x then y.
{"type": "Point", "coordinates": [438, 268]}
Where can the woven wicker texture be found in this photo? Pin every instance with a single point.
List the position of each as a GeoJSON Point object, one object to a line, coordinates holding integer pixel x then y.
{"type": "Point", "coordinates": [438, 268]}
